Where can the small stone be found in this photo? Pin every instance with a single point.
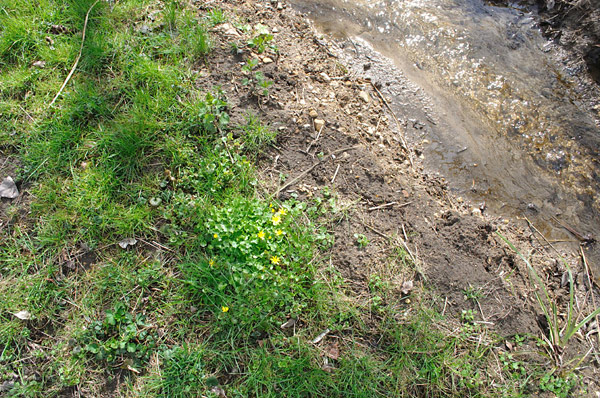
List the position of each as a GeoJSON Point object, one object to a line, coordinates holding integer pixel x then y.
{"type": "Point", "coordinates": [313, 114]}
{"type": "Point", "coordinates": [275, 30]}
{"type": "Point", "coordinates": [125, 243]}
{"type": "Point", "coordinates": [39, 64]}
{"type": "Point", "coordinates": [319, 124]}
{"type": "Point", "coordinates": [267, 60]}
{"type": "Point", "coordinates": [476, 211]}
{"type": "Point", "coordinates": [229, 29]}
{"type": "Point", "coordinates": [364, 96]}
{"type": "Point", "coordinates": [325, 77]}
{"type": "Point", "coordinates": [8, 189]}
{"type": "Point", "coordinates": [279, 6]}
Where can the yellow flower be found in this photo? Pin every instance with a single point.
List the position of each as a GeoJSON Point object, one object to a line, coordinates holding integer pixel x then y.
{"type": "Point", "coordinates": [279, 232]}
{"type": "Point", "coordinates": [276, 219]}
{"type": "Point", "coordinates": [211, 263]}
{"type": "Point", "coordinates": [261, 235]}
{"type": "Point", "coordinates": [216, 236]}
{"type": "Point", "coordinates": [282, 211]}
{"type": "Point", "coordinates": [224, 309]}
{"type": "Point", "coordinates": [275, 260]}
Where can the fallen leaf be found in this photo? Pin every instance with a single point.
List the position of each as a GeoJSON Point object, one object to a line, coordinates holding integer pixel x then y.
{"type": "Point", "coordinates": [333, 351]}
{"type": "Point", "coordinates": [407, 287]}
{"type": "Point", "coordinates": [23, 315]}
{"type": "Point", "coordinates": [125, 243]}
{"type": "Point", "coordinates": [218, 391]}
{"type": "Point", "coordinates": [290, 322]}
{"type": "Point", "coordinates": [8, 188]}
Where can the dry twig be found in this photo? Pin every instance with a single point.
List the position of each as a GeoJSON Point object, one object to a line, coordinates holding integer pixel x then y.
{"type": "Point", "coordinates": [87, 17]}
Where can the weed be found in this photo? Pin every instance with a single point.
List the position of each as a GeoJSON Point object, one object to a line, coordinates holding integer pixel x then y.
{"type": "Point", "coordinates": [257, 80]}
{"type": "Point", "coordinates": [261, 39]}
{"type": "Point", "coordinates": [560, 386]}
{"type": "Point", "coordinates": [120, 337]}
{"type": "Point", "coordinates": [472, 293]}
{"type": "Point", "coordinates": [255, 135]}
{"type": "Point", "coordinates": [558, 338]}
{"type": "Point", "coordinates": [361, 240]}
{"type": "Point", "coordinates": [216, 16]}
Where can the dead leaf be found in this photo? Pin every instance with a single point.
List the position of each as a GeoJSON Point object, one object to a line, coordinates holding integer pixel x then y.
{"type": "Point", "coordinates": [8, 188]}
{"type": "Point", "coordinates": [290, 322]}
{"type": "Point", "coordinates": [407, 287]}
{"type": "Point", "coordinates": [333, 351]}
{"type": "Point", "coordinates": [58, 29]}
{"type": "Point", "coordinates": [23, 315]}
{"type": "Point", "coordinates": [125, 243]}
{"type": "Point", "coordinates": [218, 391]}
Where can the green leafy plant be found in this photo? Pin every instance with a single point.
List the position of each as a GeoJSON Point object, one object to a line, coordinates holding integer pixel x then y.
{"type": "Point", "coordinates": [558, 337]}
{"type": "Point", "coordinates": [561, 387]}
{"type": "Point", "coordinates": [261, 40]}
{"type": "Point", "coordinates": [255, 272]}
{"type": "Point", "coordinates": [120, 337]}
{"type": "Point", "coordinates": [472, 293]}
{"type": "Point", "coordinates": [257, 81]}
{"type": "Point", "coordinates": [216, 16]}
{"type": "Point", "coordinates": [361, 240]}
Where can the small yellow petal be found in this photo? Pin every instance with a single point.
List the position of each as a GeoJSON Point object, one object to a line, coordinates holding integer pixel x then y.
{"type": "Point", "coordinates": [279, 232]}
{"type": "Point", "coordinates": [261, 235]}
{"type": "Point", "coordinates": [224, 309]}
{"type": "Point", "coordinates": [216, 236]}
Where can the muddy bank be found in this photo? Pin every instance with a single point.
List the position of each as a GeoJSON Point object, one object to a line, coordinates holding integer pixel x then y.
{"type": "Point", "coordinates": [336, 132]}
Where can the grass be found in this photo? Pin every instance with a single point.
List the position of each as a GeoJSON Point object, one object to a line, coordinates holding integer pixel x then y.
{"type": "Point", "coordinates": [136, 147]}
{"type": "Point", "coordinates": [558, 338]}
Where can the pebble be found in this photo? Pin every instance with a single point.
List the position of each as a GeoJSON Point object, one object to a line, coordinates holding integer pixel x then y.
{"type": "Point", "coordinates": [267, 60]}
{"type": "Point", "coordinates": [325, 77]}
{"type": "Point", "coordinates": [313, 114]}
{"type": "Point", "coordinates": [319, 124]}
{"type": "Point", "coordinates": [364, 96]}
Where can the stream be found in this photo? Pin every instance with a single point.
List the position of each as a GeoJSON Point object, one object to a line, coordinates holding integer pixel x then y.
{"type": "Point", "coordinates": [505, 121]}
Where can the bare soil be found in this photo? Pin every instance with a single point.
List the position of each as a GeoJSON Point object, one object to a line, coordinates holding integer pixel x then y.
{"type": "Point", "coordinates": [394, 200]}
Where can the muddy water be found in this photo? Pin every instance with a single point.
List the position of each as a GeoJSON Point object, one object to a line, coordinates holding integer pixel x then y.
{"type": "Point", "coordinates": [507, 125]}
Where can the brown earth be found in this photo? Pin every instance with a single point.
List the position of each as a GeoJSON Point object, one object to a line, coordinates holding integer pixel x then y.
{"type": "Point", "coordinates": [360, 154]}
